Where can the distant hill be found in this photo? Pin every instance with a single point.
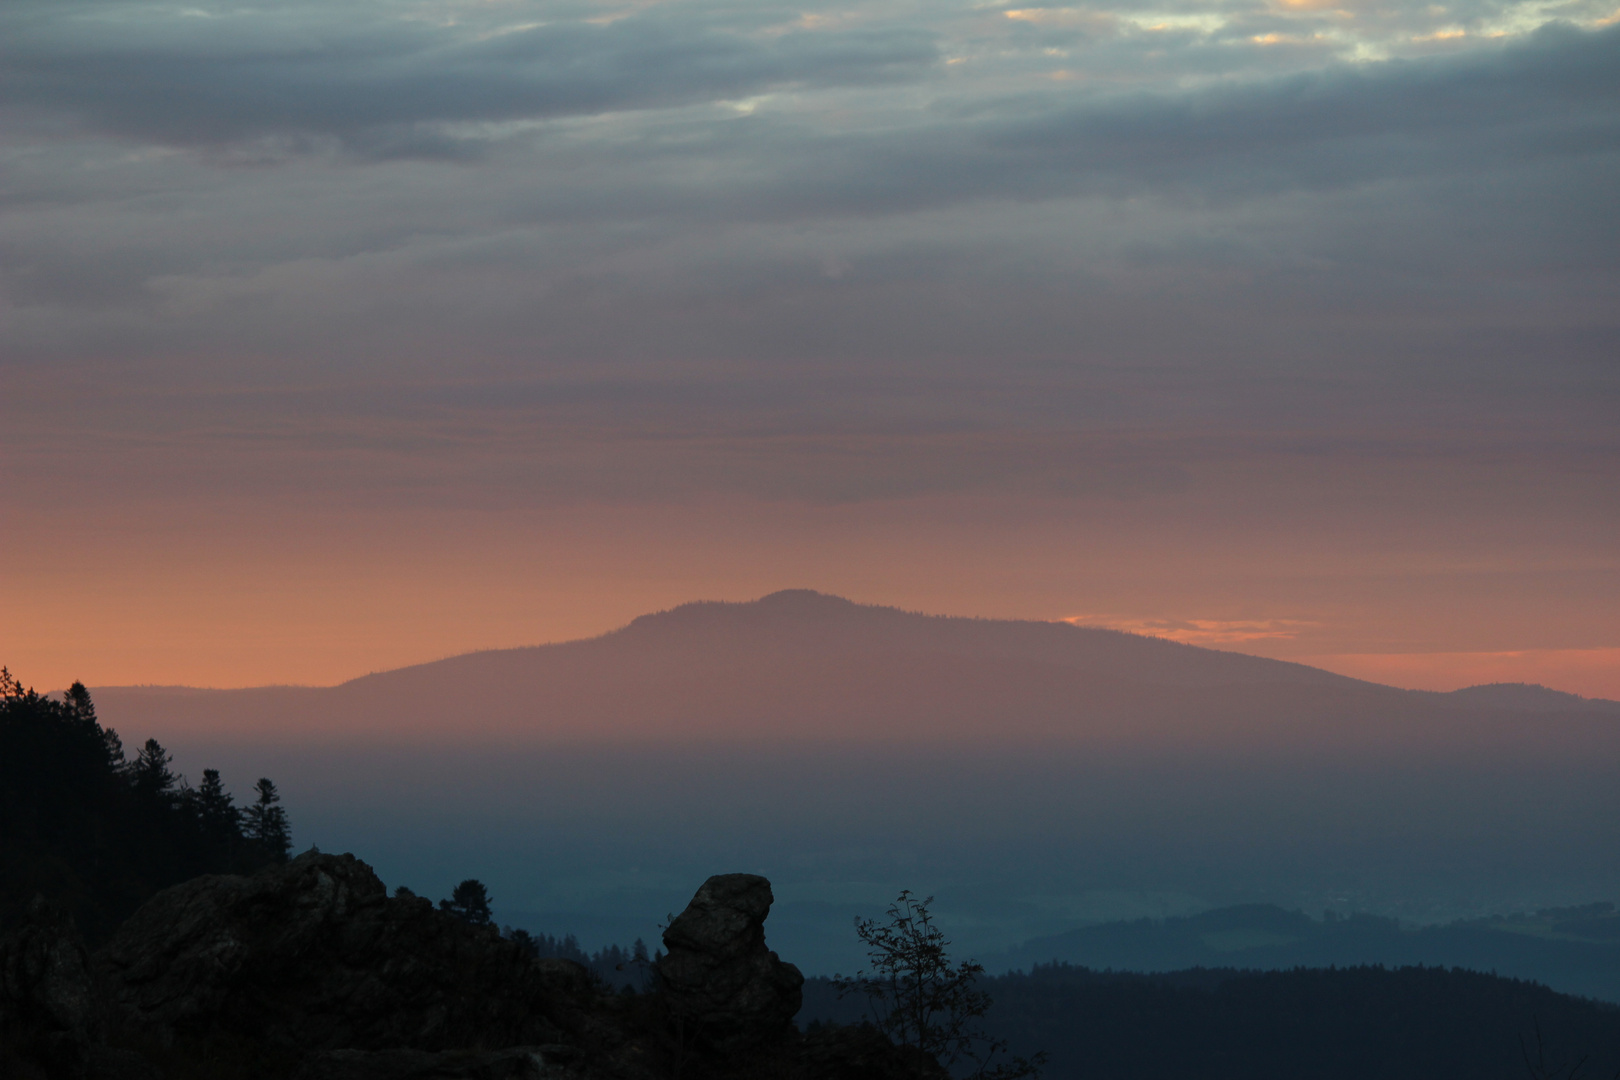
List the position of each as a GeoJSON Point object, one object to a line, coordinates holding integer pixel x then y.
{"type": "Point", "coordinates": [1529, 696]}
{"type": "Point", "coordinates": [800, 665]}
{"type": "Point", "coordinates": [1576, 950]}
{"type": "Point", "coordinates": [1345, 1024]}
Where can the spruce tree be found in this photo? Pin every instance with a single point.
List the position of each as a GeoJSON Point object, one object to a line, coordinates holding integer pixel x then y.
{"type": "Point", "coordinates": [76, 704]}
{"type": "Point", "coordinates": [113, 748]}
{"type": "Point", "coordinates": [470, 903]}
{"type": "Point", "coordinates": [220, 820]}
{"type": "Point", "coordinates": [267, 823]}
{"type": "Point", "coordinates": [150, 772]}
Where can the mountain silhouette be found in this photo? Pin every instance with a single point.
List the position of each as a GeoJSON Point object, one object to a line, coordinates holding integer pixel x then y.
{"type": "Point", "coordinates": [1529, 696]}
{"type": "Point", "coordinates": [803, 666]}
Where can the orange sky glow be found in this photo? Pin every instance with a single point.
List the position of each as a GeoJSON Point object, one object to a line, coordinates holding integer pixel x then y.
{"type": "Point", "coordinates": [238, 596]}
{"type": "Point", "coordinates": [1258, 328]}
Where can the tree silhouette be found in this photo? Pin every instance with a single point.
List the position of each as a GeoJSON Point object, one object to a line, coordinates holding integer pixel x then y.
{"type": "Point", "coordinates": [150, 772]}
{"type": "Point", "coordinates": [918, 997]}
{"type": "Point", "coordinates": [219, 818]}
{"type": "Point", "coordinates": [469, 902]}
{"type": "Point", "coordinates": [267, 823]}
{"type": "Point", "coordinates": [113, 749]}
{"type": "Point", "coordinates": [97, 833]}
{"type": "Point", "coordinates": [76, 704]}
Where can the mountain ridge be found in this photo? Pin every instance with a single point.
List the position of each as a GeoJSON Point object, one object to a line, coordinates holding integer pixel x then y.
{"type": "Point", "coordinates": [1576, 950]}
{"type": "Point", "coordinates": [798, 664]}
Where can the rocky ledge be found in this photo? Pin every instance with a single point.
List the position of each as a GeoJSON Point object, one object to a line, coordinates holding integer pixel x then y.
{"type": "Point", "coordinates": [312, 971]}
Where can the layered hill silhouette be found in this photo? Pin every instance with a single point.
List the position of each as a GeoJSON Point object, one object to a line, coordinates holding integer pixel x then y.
{"type": "Point", "coordinates": [1575, 949]}
{"type": "Point", "coordinates": [800, 665]}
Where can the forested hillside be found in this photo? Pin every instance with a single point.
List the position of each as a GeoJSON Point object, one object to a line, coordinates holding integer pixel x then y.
{"type": "Point", "coordinates": [1410, 1023]}
{"type": "Point", "coordinates": [97, 832]}
{"type": "Point", "coordinates": [1575, 950]}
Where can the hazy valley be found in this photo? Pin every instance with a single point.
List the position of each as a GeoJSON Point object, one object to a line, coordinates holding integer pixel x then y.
{"type": "Point", "coordinates": [1038, 777]}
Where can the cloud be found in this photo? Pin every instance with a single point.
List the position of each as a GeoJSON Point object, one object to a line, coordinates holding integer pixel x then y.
{"type": "Point", "coordinates": [1421, 170]}
{"type": "Point", "coordinates": [1554, 95]}
{"type": "Point", "coordinates": [1208, 632]}
{"type": "Point", "coordinates": [387, 87]}
{"type": "Point", "coordinates": [292, 79]}
{"type": "Point", "coordinates": [935, 282]}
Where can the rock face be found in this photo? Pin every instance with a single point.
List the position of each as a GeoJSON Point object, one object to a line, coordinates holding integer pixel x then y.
{"type": "Point", "coordinates": [45, 979]}
{"type": "Point", "coordinates": [314, 955]}
{"type": "Point", "coordinates": [311, 971]}
{"type": "Point", "coordinates": [52, 1010]}
{"type": "Point", "coordinates": [717, 973]}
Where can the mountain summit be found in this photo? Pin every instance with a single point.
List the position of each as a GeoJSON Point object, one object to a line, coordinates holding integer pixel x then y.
{"type": "Point", "coordinates": [804, 666]}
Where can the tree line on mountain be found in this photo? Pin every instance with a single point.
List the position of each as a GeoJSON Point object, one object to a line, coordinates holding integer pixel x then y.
{"type": "Point", "coordinates": [1576, 949]}
{"type": "Point", "coordinates": [1410, 1023]}
{"type": "Point", "coordinates": [914, 993]}
{"type": "Point", "coordinates": [613, 966]}
{"type": "Point", "coordinates": [97, 831]}
{"type": "Point", "coordinates": [1069, 1022]}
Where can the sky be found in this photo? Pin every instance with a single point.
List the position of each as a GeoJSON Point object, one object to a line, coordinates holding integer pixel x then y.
{"type": "Point", "coordinates": [342, 336]}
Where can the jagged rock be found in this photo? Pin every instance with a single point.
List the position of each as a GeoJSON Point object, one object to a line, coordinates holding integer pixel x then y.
{"type": "Point", "coordinates": [310, 971]}
{"type": "Point", "coordinates": [45, 976]}
{"type": "Point", "coordinates": [513, 1063]}
{"type": "Point", "coordinates": [48, 1008]}
{"type": "Point", "coordinates": [314, 955]}
{"type": "Point", "coordinates": [52, 1013]}
{"type": "Point", "coordinates": [719, 977]}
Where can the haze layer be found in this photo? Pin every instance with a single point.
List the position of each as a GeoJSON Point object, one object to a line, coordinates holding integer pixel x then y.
{"type": "Point", "coordinates": [1034, 775]}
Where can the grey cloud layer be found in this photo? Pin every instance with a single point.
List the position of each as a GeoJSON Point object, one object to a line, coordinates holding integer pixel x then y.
{"type": "Point", "coordinates": [393, 92]}
{"type": "Point", "coordinates": [361, 75]}
{"type": "Point", "coordinates": [369, 85]}
{"type": "Point", "coordinates": [1219, 236]}
{"type": "Point", "coordinates": [1556, 94]}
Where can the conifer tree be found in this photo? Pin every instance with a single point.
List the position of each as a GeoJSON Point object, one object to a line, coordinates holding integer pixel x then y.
{"type": "Point", "coordinates": [150, 772]}
{"type": "Point", "coordinates": [77, 704]}
{"type": "Point", "coordinates": [99, 833]}
{"type": "Point", "coordinates": [469, 902]}
{"type": "Point", "coordinates": [523, 940]}
{"type": "Point", "coordinates": [220, 819]}
{"type": "Point", "coordinates": [267, 823]}
{"type": "Point", "coordinates": [113, 747]}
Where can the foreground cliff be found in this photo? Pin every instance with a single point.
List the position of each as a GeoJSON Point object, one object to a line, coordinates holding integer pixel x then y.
{"type": "Point", "coordinates": [312, 971]}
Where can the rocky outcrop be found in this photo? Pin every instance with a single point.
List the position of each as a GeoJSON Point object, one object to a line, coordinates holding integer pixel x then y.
{"type": "Point", "coordinates": [45, 976]}
{"type": "Point", "coordinates": [315, 955]}
{"type": "Point", "coordinates": [718, 975]}
{"type": "Point", "coordinates": [52, 1010]}
{"type": "Point", "coordinates": [311, 971]}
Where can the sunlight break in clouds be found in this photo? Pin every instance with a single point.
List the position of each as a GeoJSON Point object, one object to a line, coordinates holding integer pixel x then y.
{"type": "Point", "coordinates": [1207, 632]}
